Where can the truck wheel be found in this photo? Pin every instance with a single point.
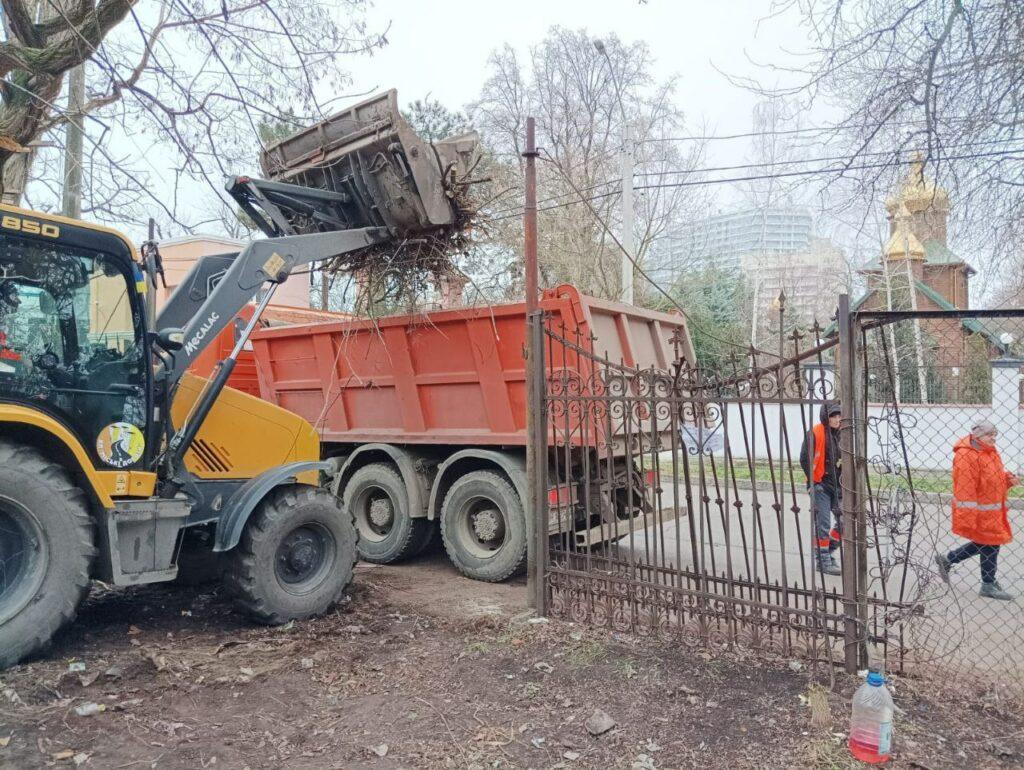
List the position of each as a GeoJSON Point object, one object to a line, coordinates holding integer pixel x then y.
{"type": "Point", "coordinates": [296, 555]}
{"type": "Point", "coordinates": [46, 550]}
{"type": "Point", "coordinates": [484, 527]}
{"type": "Point", "coordinates": [376, 497]}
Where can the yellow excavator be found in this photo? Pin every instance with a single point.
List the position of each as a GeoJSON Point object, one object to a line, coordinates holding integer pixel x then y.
{"type": "Point", "coordinates": [113, 458]}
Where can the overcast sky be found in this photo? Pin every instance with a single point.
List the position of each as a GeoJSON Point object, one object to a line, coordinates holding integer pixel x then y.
{"type": "Point", "coordinates": [441, 48]}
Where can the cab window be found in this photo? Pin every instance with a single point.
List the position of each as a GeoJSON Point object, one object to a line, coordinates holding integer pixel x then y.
{"type": "Point", "coordinates": [70, 341]}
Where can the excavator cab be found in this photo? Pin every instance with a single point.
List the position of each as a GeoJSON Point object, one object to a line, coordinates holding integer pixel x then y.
{"type": "Point", "coordinates": [107, 468]}
{"type": "Point", "coordinates": [72, 337]}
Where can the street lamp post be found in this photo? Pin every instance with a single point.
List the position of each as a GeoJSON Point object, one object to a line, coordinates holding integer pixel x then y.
{"type": "Point", "coordinates": [627, 159]}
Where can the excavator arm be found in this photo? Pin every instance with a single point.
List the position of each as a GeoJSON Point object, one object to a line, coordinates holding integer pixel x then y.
{"type": "Point", "coordinates": [259, 267]}
{"type": "Point", "coordinates": [218, 287]}
{"type": "Point", "coordinates": [361, 178]}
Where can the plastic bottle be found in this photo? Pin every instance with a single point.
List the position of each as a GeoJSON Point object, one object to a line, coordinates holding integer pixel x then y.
{"type": "Point", "coordinates": [871, 723]}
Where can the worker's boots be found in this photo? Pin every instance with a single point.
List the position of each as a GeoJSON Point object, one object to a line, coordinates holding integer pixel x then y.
{"type": "Point", "coordinates": [828, 564]}
{"type": "Point", "coordinates": [995, 591]}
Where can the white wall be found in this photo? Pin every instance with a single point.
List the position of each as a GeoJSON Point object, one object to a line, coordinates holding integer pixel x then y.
{"type": "Point", "coordinates": [929, 430]}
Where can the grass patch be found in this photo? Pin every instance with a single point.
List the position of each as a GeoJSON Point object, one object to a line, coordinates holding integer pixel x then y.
{"type": "Point", "coordinates": [829, 754]}
{"type": "Point", "coordinates": [625, 668]}
{"type": "Point", "coordinates": [584, 654]}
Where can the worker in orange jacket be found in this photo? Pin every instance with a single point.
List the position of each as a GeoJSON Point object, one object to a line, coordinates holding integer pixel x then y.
{"type": "Point", "coordinates": [980, 484]}
{"type": "Point", "coordinates": [821, 466]}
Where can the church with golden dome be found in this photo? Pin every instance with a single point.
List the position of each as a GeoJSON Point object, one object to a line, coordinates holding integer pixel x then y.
{"type": "Point", "coordinates": [917, 271]}
{"type": "Point", "coordinates": [917, 251]}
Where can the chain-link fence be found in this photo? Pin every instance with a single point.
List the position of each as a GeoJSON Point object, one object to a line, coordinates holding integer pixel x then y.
{"type": "Point", "coordinates": [940, 502]}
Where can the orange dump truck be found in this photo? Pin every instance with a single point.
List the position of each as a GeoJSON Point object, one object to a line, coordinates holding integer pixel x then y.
{"type": "Point", "coordinates": [426, 417]}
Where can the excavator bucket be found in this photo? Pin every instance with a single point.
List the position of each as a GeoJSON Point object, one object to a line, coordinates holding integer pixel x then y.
{"type": "Point", "coordinates": [366, 167]}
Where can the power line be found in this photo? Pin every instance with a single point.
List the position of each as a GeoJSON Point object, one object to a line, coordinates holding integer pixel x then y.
{"type": "Point", "coordinates": [768, 164]}
{"type": "Point", "coordinates": [754, 177]}
{"type": "Point", "coordinates": [829, 159]}
{"type": "Point", "coordinates": [788, 131]}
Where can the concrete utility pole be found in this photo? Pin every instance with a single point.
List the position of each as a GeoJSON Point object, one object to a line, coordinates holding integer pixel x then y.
{"type": "Point", "coordinates": [626, 237]}
{"type": "Point", "coordinates": [71, 199]}
{"type": "Point", "coordinates": [628, 247]}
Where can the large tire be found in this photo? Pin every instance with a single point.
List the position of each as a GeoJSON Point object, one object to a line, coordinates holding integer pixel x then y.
{"type": "Point", "coordinates": [46, 550]}
{"type": "Point", "coordinates": [376, 497]}
{"type": "Point", "coordinates": [484, 527]}
{"type": "Point", "coordinates": [296, 555]}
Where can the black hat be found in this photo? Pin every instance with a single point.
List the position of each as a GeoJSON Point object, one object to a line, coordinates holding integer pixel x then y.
{"type": "Point", "coordinates": [833, 408]}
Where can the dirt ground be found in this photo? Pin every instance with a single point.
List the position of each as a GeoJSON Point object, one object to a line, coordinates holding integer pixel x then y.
{"type": "Point", "coordinates": [421, 668]}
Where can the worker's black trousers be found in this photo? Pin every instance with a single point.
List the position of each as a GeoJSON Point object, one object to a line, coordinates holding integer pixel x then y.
{"type": "Point", "coordinates": [989, 558]}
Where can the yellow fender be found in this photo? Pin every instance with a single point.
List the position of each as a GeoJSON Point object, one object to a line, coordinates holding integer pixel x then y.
{"type": "Point", "coordinates": [102, 483]}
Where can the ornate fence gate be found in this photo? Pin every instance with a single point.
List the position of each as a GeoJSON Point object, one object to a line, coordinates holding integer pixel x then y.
{"type": "Point", "coordinates": [677, 505]}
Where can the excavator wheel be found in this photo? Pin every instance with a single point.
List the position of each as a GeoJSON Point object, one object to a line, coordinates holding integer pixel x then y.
{"type": "Point", "coordinates": [296, 555]}
{"type": "Point", "coordinates": [46, 550]}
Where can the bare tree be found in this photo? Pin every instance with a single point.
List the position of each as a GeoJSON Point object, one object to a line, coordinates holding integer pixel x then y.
{"type": "Point", "coordinates": [939, 76]}
{"type": "Point", "coordinates": [569, 86]}
{"type": "Point", "coordinates": [177, 91]}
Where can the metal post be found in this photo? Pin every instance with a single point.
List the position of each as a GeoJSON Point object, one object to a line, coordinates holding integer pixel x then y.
{"type": "Point", "coordinates": [860, 443]}
{"type": "Point", "coordinates": [71, 199]}
{"type": "Point", "coordinates": [151, 268]}
{"type": "Point", "coordinates": [627, 214]}
{"type": "Point", "coordinates": [538, 471]}
{"type": "Point", "coordinates": [851, 523]}
{"type": "Point", "coordinates": [534, 562]}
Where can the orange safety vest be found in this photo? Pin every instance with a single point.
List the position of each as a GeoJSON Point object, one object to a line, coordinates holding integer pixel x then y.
{"type": "Point", "coordinates": [980, 484]}
{"type": "Point", "coordinates": [5, 352]}
{"type": "Point", "coordinates": [818, 467]}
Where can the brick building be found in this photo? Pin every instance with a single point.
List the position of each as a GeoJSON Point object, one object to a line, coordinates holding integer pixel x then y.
{"type": "Point", "coordinates": [935, 358]}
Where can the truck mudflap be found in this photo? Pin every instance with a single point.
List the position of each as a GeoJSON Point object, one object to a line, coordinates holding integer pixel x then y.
{"type": "Point", "coordinates": [605, 532]}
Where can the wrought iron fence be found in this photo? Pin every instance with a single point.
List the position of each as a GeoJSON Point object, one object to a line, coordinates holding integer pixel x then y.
{"type": "Point", "coordinates": [677, 505]}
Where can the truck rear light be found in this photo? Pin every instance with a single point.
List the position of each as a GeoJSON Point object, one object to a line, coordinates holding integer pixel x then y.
{"type": "Point", "coordinates": [561, 495]}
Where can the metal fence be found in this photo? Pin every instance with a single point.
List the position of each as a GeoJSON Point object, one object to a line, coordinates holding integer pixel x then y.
{"type": "Point", "coordinates": [923, 379]}
{"type": "Point", "coordinates": [676, 504]}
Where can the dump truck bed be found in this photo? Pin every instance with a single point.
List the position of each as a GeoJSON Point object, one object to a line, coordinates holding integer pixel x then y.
{"type": "Point", "coordinates": [454, 377]}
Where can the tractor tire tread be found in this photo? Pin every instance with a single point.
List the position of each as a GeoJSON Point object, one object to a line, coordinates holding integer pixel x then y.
{"type": "Point", "coordinates": [241, 577]}
{"type": "Point", "coordinates": [34, 464]}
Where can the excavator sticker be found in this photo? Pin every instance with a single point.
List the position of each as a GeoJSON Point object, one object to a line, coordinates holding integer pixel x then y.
{"type": "Point", "coordinates": [120, 444]}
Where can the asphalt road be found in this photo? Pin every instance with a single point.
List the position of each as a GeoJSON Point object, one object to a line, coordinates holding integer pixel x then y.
{"type": "Point", "coordinates": [957, 630]}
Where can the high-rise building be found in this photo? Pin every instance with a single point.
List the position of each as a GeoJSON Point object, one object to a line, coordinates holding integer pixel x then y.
{"type": "Point", "coordinates": [721, 242]}
{"type": "Point", "coordinates": [773, 248]}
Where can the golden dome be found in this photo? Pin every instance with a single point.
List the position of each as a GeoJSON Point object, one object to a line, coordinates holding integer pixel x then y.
{"type": "Point", "coordinates": [903, 244]}
{"type": "Point", "coordinates": [917, 192]}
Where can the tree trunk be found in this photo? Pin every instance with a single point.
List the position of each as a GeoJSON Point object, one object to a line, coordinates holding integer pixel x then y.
{"type": "Point", "coordinates": [14, 177]}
